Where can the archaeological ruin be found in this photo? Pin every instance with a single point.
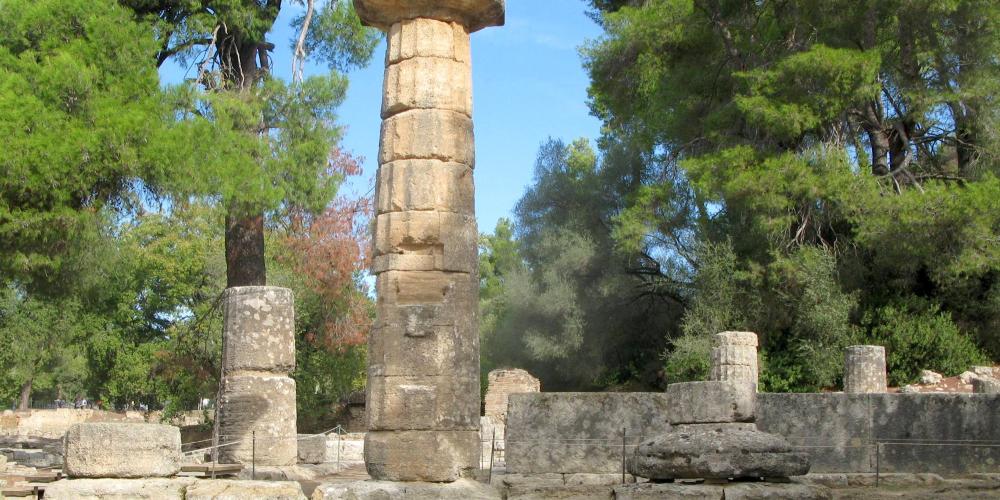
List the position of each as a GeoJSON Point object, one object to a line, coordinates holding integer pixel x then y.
{"type": "Point", "coordinates": [423, 365]}
{"type": "Point", "coordinates": [429, 434]}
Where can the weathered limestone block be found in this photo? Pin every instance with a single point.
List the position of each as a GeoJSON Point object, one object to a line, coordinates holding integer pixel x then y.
{"type": "Point", "coordinates": [709, 402]}
{"type": "Point", "coordinates": [985, 385]}
{"type": "Point", "coordinates": [717, 454]}
{"type": "Point", "coordinates": [864, 369]}
{"type": "Point", "coordinates": [422, 403]}
{"type": "Point", "coordinates": [257, 414]}
{"type": "Point", "coordinates": [312, 448]}
{"type": "Point", "coordinates": [504, 382]}
{"type": "Point", "coordinates": [438, 456]}
{"type": "Point", "coordinates": [428, 134]}
{"type": "Point", "coordinates": [427, 343]}
{"type": "Point", "coordinates": [463, 489]}
{"type": "Point", "coordinates": [428, 83]}
{"type": "Point", "coordinates": [474, 15]}
{"type": "Point", "coordinates": [119, 489]}
{"type": "Point", "coordinates": [579, 432]}
{"type": "Point", "coordinates": [427, 288]}
{"type": "Point", "coordinates": [734, 355]}
{"type": "Point", "coordinates": [776, 491]}
{"type": "Point", "coordinates": [734, 373]}
{"type": "Point", "coordinates": [259, 326]}
{"type": "Point", "coordinates": [411, 185]}
{"type": "Point", "coordinates": [735, 338]}
{"type": "Point", "coordinates": [425, 241]}
{"type": "Point", "coordinates": [228, 489]}
{"type": "Point", "coordinates": [119, 450]}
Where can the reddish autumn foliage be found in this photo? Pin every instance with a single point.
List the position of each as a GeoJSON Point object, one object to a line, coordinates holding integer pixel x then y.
{"type": "Point", "coordinates": [330, 250]}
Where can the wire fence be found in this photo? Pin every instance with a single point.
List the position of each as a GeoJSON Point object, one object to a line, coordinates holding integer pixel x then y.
{"type": "Point", "coordinates": [254, 440]}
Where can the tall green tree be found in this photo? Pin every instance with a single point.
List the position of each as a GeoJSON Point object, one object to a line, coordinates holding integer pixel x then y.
{"type": "Point", "coordinates": [820, 162]}
{"type": "Point", "coordinates": [261, 144]}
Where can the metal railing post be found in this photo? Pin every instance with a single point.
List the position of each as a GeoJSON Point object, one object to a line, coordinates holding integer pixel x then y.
{"type": "Point", "coordinates": [878, 465]}
{"type": "Point", "coordinates": [253, 455]}
{"type": "Point", "coordinates": [493, 448]}
{"type": "Point", "coordinates": [623, 454]}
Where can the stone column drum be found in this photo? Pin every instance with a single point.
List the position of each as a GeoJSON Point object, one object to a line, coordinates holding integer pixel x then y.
{"type": "Point", "coordinates": [256, 408]}
{"type": "Point", "coordinates": [734, 357]}
{"type": "Point", "coordinates": [864, 369]}
{"type": "Point", "coordinates": [423, 356]}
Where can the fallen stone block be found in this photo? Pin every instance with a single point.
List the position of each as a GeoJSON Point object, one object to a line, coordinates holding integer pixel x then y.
{"type": "Point", "coordinates": [708, 402]}
{"type": "Point", "coordinates": [463, 489]}
{"type": "Point", "coordinates": [114, 489]}
{"type": "Point", "coordinates": [227, 489]}
{"type": "Point", "coordinates": [986, 386]}
{"type": "Point", "coordinates": [120, 450]}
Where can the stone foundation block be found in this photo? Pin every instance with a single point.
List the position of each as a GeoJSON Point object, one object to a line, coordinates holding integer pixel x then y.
{"type": "Point", "coordinates": [119, 489]}
{"type": "Point", "coordinates": [463, 489]}
{"type": "Point", "coordinates": [435, 456]}
{"type": "Point", "coordinates": [427, 38]}
{"type": "Point", "coordinates": [423, 403]}
{"type": "Point", "coordinates": [428, 134]}
{"type": "Point", "coordinates": [259, 329]}
{"type": "Point", "coordinates": [735, 338]}
{"type": "Point", "coordinates": [427, 83]}
{"type": "Point", "coordinates": [260, 405]}
{"type": "Point", "coordinates": [413, 185]}
{"type": "Point", "coordinates": [227, 489]}
{"type": "Point", "coordinates": [717, 454]}
{"type": "Point", "coordinates": [709, 402]}
{"type": "Point", "coordinates": [312, 448]}
{"type": "Point", "coordinates": [118, 450]}
{"type": "Point", "coordinates": [425, 241]}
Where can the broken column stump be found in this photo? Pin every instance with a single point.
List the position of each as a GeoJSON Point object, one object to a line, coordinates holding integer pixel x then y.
{"type": "Point", "coordinates": [713, 437]}
{"type": "Point", "coordinates": [256, 408]}
{"type": "Point", "coordinates": [864, 369]}
{"type": "Point", "coordinates": [734, 357]}
{"type": "Point", "coordinates": [423, 356]}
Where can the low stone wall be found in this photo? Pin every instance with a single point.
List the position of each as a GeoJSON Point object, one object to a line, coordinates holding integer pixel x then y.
{"type": "Point", "coordinates": [53, 424]}
{"type": "Point", "coordinates": [942, 433]}
{"type": "Point", "coordinates": [552, 432]}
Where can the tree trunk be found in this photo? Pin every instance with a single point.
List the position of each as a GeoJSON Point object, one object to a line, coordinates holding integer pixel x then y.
{"type": "Point", "coordinates": [25, 395]}
{"type": "Point", "coordinates": [245, 264]}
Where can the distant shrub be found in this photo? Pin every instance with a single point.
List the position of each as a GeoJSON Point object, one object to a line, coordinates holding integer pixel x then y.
{"type": "Point", "coordinates": [921, 340]}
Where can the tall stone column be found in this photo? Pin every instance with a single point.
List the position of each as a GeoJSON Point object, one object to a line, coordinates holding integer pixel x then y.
{"type": "Point", "coordinates": [423, 357]}
{"type": "Point", "coordinates": [256, 407]}
{"type": "Point", "coordinates": [864, 369]}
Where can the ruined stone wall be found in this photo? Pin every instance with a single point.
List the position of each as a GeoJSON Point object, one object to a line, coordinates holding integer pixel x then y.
{"type": "Point", "coordinates": [53, 424]}
{"type": "Point", "coordinates": [503, 383]}
{"type": "Point", "coordinates": [838, 430]}
{"type": "Point", "coordinates": [567, 432]}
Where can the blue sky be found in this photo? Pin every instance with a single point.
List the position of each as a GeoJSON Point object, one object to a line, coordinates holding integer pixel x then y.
{"type": "Point", "coordinates": [529, 85]}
